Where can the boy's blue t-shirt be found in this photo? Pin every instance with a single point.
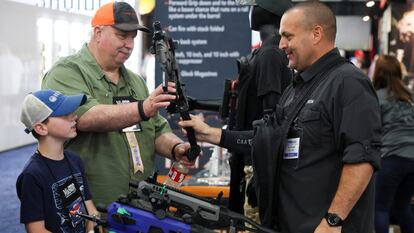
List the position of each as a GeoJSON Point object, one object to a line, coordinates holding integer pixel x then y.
{"type": "Point", "coordinates": [47, 191]}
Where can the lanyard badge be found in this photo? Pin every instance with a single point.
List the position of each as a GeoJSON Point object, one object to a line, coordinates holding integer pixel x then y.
{"type": "Point", "coordinates": [133, 144]}
{"type": "Point", "coordinates": [292, 149]}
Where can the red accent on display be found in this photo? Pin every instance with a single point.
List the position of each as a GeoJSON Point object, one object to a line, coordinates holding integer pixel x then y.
{"type": "Point", "coordinates": [382, 3]}
{"type": "Point", "coordinates": [175, 175]}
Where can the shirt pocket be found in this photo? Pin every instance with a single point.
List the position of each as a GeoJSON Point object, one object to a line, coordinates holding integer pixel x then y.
{"type": "Point", "coordinates": [102, 94]}
{"type": "Point", "coordinates": [310, 122]}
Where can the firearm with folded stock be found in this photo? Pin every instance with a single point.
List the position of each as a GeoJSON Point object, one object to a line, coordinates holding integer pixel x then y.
{"type": "Point", "coordinates": [163, 47]}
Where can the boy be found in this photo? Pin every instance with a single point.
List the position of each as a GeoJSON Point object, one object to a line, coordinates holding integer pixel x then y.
{"type": "Point", "coordinates": [52, 187]}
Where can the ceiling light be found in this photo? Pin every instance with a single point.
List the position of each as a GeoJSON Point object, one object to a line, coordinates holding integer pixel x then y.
{"type": "Point", "coordinates": [365, 18]}
{"type": "Point", "coordinates": [370, 3]}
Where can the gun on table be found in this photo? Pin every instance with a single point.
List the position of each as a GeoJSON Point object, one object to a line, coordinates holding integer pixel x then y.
{"type": "Point", "coordinates": [164, 47]}
{"type": "Point", "coordinates": [151, 204]}
{"type": "Point", "coordinates": [153, 207]}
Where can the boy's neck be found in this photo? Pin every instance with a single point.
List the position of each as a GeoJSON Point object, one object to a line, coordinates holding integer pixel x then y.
{"type": "Point", "coordinates": [52, 151]}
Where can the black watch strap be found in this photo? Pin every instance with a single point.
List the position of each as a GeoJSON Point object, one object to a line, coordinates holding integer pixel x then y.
{"type": "Point", "coordinates": [141, 111]}
{"type": "Point", "coordinates": [333, 220]}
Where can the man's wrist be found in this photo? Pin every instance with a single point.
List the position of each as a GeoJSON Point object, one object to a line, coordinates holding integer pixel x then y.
{"type": "Point", "coordinates": [173, 155]}
{"type": "Point", "coordinates": [141, 112]}
{"type": "Point", "coordinates": [333, 219]}
{"type": "Point", "coordinates": [222, 137]}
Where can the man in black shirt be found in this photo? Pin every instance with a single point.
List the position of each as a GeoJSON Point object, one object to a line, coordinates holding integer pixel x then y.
{"type": "Point", "coordinates": [325, 181]}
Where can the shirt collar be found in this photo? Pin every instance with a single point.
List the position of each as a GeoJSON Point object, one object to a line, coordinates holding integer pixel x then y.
{"type": "Point", "coordinates": [296, 79]}
{"type": "Point", "coordinates": [87, 56]}
{"type": "Point", "coordinates": [319, 65]}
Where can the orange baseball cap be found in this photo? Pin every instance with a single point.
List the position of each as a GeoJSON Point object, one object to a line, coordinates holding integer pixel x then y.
{"type": "Point", "coordinates": [119, 15]}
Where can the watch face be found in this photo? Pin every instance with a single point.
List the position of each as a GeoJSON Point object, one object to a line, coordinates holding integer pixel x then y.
{"type": "Point", "coordinates": [333, 219]}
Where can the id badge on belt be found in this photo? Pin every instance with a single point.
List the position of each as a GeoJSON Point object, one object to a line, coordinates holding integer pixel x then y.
{"type": "Point", "coordinates": [292, 149]}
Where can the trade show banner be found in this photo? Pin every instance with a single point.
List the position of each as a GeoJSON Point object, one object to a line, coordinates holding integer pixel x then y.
{"type": "Point", "coordinates": [210, 36]}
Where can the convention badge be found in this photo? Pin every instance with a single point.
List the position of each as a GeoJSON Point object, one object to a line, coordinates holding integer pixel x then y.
{"type": "Point", "coordinates": [138, 166]}
{"type": "Point", "coordinates": [292, 149]}
{"type": "Point", "coordinates": [125, 100]}
{"type": "Point", "coordinates": [134, 128]}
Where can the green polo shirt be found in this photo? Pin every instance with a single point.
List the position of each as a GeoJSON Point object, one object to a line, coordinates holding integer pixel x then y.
{"type": "Point", "coordinates": [107, 158]}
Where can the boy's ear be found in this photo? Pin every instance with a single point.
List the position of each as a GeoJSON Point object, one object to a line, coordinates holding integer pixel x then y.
{"type": "Point", "coordinates": [40, 129]}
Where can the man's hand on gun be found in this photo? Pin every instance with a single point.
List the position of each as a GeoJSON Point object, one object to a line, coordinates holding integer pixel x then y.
{"type": "Point", "coordinates": [158, 99]}
{"type": "Point", "coordinates": [203, 132]}
{"type": "Point", "coordinates": [181, 153]}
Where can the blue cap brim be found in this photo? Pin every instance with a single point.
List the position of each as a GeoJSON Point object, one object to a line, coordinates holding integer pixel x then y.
{"type": "Point", "coordinates": [69, 105]}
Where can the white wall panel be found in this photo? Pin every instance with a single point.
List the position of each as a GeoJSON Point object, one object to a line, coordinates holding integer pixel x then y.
{"type": "Point", "coordinates": [28, 47]}
{"type": "Point", "coordinates": [352, 33]}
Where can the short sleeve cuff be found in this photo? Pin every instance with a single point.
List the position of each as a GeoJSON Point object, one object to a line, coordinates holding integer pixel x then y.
{"type": "Point", "coordinates": [90, 102]}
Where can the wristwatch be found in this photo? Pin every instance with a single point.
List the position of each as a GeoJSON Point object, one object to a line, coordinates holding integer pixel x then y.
{"type": "Point", "coordinates": [333, 220]}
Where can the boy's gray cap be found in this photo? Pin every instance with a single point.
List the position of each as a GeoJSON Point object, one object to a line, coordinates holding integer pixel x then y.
{"type": "Point", "coordinates": [40, 105]}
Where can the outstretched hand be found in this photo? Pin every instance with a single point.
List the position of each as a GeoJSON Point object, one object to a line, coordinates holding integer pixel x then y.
{"type": "Point", "coordinates": [158, 99]}
{"type": "Point", "coordinates": [203, 132]}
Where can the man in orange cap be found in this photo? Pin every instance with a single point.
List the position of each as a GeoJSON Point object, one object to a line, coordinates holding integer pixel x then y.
{"type": "Point", "coordinates": [120, 129]}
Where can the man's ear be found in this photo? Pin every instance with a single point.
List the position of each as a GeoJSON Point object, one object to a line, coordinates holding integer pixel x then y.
{"type": "Point", "coordinates": [40, 129]}
{"type": "Point", "coordinates": [97, 31]}
{"type": "Point", "coordinates": [318, 34]}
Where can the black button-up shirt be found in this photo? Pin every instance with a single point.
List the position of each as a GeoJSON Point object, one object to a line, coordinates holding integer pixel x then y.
{"type": "Point", "coordinates": [341, 124]}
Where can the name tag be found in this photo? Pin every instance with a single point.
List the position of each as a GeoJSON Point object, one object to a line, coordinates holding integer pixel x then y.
{"type": "Point", "coordinates": [292, 148]}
